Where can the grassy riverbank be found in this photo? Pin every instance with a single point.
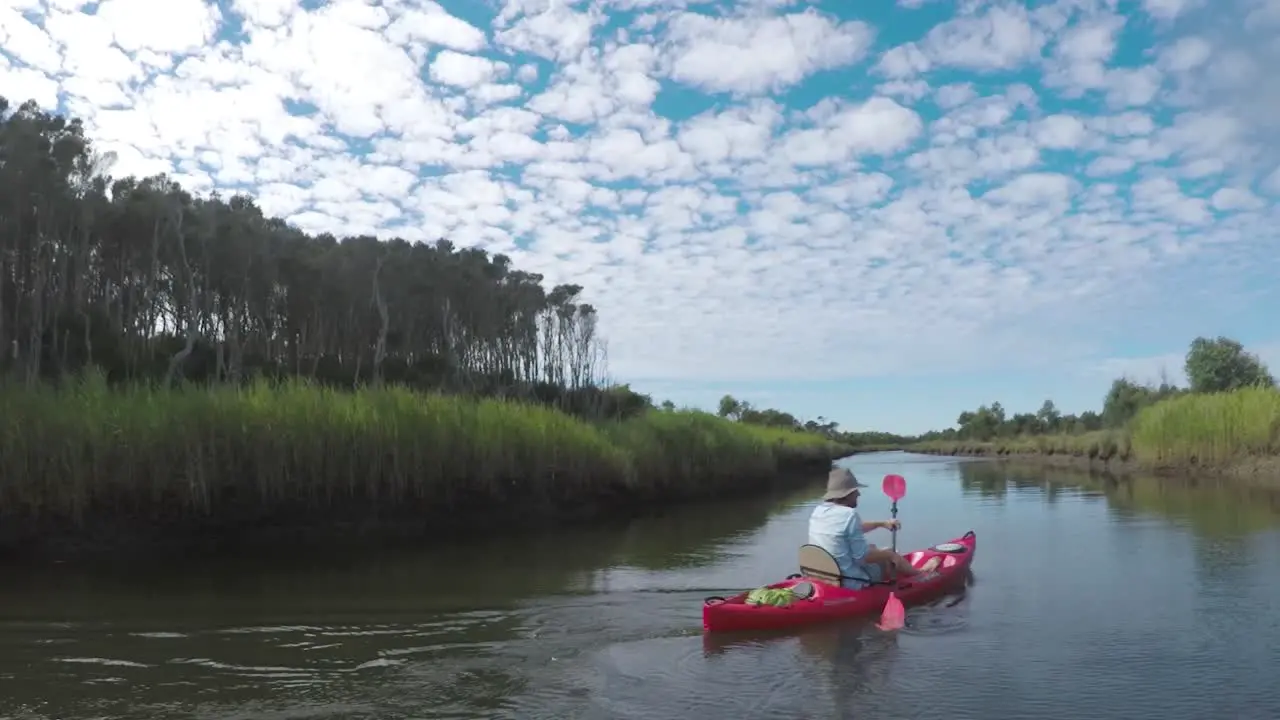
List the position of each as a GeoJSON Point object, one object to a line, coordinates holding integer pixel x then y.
{"type": "Point", "coordinates": [85, 459]}
{"type": "Point", "coordinates": [1103, 446]}
{"type": "Point", "coordinates": [1233, 433]}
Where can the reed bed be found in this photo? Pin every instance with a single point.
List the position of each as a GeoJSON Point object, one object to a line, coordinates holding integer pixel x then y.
{"type": "Point", "coordinates": [1195, 430]}
{"type": "Point", "coordinates": [80, 452]}
{"type": "Point", "coordinates": [1209, 429]}
{"type": "Point", "coordinates": [1101, 445]}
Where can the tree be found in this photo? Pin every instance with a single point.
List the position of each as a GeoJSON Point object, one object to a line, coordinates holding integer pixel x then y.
{"type": "Point", "coordinates": [1049, 417]}
{"type": "Point", "coordinates": [983, 424]}
{"type": "Point", "coordinates": [769, 418]}
{"type": "Point", "coordinates": [1211, 365]}
{"type": "Point", "coordinates": [1125, 398]}
{"type": "Point", "coordinates": [997, 411]}
{"type": "Point", "coordinates": [729, 407]}
{"type": "Point", "coordinates": [1221, 364]}
{"type": "Point", "coordinates": [1089, 421]}
{"type": "Point", "coordinates": [142, 279]}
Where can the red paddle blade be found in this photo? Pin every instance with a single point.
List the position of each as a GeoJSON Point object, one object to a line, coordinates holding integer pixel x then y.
{"type": "Point", "coordinates": [894, 615]}
{"type": "Point", "coordinates": [895, 486]}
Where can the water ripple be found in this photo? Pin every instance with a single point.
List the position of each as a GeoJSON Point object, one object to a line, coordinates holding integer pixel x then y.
{"type": "Point", "coordinates": [1078, 607]}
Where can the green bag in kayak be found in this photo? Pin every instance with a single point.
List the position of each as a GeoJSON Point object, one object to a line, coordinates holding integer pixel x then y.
{"type": "Point", "coordinates": [777, 597]}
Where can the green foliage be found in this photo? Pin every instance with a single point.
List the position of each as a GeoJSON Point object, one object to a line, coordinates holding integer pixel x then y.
{"type": "Point", "coordinates": [1221, 365]}
{"type": "Point", "coordinates": [1209, 429]}
{"type": "Point", "coordinates": [139, 278]}
{"type": "Point", "coordinates": [1231, 411]}
{"type": "Point", "coordinates": [1126, 398]}
{"type": "Point", "coordinates": [729, 407]}
{"type": "Point", "coordinates": [1097, 444]}
{"type": "Point", "coordinates": [82, 451]}
{"type": "Point", "coordinates": [989, 422]}
{"type": "Point", "coordinates": [743, 412]}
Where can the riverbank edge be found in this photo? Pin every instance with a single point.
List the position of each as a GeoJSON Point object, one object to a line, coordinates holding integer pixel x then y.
{"type": "Point", "coordinates": [356, 527]}
{"type": "Point", "coordinates": [1256, 470]}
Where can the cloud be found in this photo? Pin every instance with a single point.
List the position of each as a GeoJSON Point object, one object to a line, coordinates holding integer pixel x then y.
{"type": "Point", "coordinates": [427, 23]}
{"type": "Point", "coordinates": [1166, 367]}
{"type": "Point", "coordinates": [771, 192]}
{"type": "Point", "coordinates": [1062, 132]}
{"type": "Point", "coordinates": [1001, 37]}
{"type": "Point", "coordinates": [464, 71]}
{"type": "Point", "coordinates": [753, 54]}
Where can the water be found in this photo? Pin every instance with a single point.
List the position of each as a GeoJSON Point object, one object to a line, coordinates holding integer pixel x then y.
{"type": "Point", "coordinates": [1144, 600]}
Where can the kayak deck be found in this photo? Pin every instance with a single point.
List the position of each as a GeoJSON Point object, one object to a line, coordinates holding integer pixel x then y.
{"type": "Point", "coordinates": [828, 601]}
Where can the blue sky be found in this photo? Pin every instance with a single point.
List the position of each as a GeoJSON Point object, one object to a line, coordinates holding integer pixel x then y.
{"type": "Point", "coordinates": [879, 212]}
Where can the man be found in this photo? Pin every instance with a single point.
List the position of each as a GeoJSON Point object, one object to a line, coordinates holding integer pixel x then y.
{"type": "Point", "coordinates": [836, 527]}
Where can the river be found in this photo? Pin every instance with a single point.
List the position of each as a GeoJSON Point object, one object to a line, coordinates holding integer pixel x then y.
{"type": "Point", "coordinates": [1138, 600]}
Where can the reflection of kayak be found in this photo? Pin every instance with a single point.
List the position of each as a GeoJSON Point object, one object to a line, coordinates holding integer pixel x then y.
{"type": "Point", "coordinates": [817, 600]}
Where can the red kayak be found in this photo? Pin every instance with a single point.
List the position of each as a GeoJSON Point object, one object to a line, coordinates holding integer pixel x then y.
{"type": "Point", "coordinates": [819, 597]}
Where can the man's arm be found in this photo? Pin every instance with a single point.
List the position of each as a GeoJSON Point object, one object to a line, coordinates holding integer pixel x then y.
{"type": "Point", "coordinates": [870, 525]}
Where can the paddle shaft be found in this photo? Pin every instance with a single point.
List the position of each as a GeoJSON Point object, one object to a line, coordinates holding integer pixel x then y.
{"type": "Point", "coordinates": [894, 512]}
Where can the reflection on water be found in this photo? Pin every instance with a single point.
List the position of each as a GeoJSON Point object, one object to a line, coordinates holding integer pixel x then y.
{"type": "Point", "coordinates": [1140, 600]}
{"type": "Point", "coordinates": [1211, 506]}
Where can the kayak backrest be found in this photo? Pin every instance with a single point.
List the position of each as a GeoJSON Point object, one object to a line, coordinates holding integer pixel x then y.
{"type": "Point", "coordinates": [817, 563]}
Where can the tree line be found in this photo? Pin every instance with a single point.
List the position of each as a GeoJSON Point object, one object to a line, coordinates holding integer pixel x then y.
{"type": "Point", "coordinates": [146, 282]}
{"type": "Point", "coordinates": [741, 411]}
{"type": "Point", "coordinates": [1211, 365]}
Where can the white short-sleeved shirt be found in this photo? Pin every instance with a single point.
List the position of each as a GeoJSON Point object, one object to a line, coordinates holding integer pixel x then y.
{"type": "Point", "coordinates": [838, 530]}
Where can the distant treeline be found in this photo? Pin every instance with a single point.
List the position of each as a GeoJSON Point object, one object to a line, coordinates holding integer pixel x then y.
{"type": "Point", "coordinates": [1212, 365]}
{"type": "Point", "coordinates": [744, 412]}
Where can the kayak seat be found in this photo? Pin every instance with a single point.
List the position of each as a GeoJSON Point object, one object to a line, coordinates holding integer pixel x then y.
{"type": "Point", "coordinates": [817, 563]}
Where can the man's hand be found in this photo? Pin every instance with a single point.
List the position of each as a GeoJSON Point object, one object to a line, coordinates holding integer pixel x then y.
{"type": "Point", "coordinates": [891, 524]}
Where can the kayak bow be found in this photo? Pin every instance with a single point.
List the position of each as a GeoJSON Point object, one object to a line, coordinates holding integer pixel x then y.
{"type": "Point", "coordinates": [818, 601]}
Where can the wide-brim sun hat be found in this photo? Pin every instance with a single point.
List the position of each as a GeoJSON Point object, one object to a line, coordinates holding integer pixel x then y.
{"type": "Point", "coordinates": [841, 483]}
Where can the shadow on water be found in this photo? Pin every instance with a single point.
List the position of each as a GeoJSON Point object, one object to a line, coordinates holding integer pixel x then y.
{"type": "Point", "coordinates": [463, 626]}
{"type": "Point", "coordinates": [693, 536]}
{"type": "Point", "coordinates": [466, 573]}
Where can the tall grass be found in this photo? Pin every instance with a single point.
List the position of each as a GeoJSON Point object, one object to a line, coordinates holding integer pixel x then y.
{"type": "Point", "coordinates": [1101, 445]}
{"type": "Point", "coordinates": [1209, 429]}
{"type": "Point", "coordinates": [81, 452]}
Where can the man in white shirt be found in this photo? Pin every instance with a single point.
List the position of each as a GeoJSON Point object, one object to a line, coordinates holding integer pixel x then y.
{"type": "Point", "coordinates": [836, 527]}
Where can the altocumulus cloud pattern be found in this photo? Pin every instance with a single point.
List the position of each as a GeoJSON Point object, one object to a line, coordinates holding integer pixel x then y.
{"type": "Point", "coordinates": [763, 190]}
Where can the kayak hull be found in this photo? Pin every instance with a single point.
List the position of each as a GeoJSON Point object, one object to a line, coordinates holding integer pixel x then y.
{"type": "Point", "coordinates": [831, 602]}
